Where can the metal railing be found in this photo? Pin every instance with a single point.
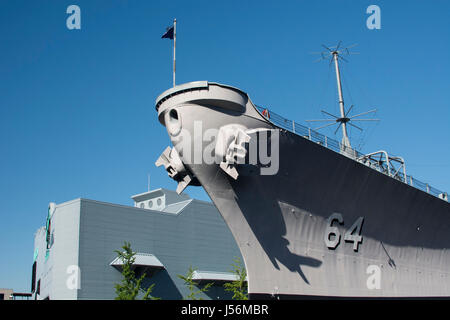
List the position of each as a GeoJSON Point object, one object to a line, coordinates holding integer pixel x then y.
{"type": "Point", "coordinates": [336, 146]}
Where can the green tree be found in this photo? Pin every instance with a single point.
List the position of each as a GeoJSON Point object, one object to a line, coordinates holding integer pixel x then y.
{"type": "Point", "coordinates": [238, 287]}
{"type": "Point", "coordinates": [130, 286]}
{"type": "Point", "coordinates": [192, 286]}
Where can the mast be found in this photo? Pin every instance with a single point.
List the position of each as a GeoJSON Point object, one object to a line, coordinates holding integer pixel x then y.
{"type": "Point", "coordinates": [335, 55]}
{"type": "Point", "coordinates": [343, 119]}
{"type": "Point", "coordinates": [174, 48]}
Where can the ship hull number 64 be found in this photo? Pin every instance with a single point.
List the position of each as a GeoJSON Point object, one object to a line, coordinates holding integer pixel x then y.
{"type": "Point", "coordinates": [333, 235]}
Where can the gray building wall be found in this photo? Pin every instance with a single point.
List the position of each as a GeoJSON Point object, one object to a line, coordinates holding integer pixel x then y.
{"type": "Point", "coordinates": [86, 233]}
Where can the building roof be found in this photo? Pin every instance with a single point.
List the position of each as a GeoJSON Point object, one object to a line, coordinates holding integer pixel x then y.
{"type": "Point", "coordinates": [177, 207]}
{"type": "Point", "coordinates": [172, 195]}
{"type": "Point", "coordinates": [214, 275]}
{"type": "Point", "coordinates": [141, 260]}
{"type": "Point", "coordinates": [21, 294]}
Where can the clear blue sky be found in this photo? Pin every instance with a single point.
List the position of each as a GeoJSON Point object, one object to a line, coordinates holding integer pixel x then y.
{"type": "Point", "coordinates": [77, 115]}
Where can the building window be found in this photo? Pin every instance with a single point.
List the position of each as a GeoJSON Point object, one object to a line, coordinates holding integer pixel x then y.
{"type": "Point", "coordinates": [33, 277]}
{"type": "Point", "coordinates": [49, 234]}
{"type": "Point", "coordinates": [159, 202]}
{"type": "Point", "coordinates": [150, 204]}
{"type": "Point", "coordinates": [38, 288]}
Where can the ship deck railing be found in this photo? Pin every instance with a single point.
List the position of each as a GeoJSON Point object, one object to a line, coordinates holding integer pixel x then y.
{"type": "Point", "coordinates": [338, 147]}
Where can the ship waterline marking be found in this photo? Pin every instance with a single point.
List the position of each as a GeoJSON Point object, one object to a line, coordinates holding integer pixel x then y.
{"type": "Point", "coordinates": [231, 145]}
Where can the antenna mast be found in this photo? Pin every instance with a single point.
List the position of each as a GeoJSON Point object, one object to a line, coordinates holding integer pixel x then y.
{"type": "Point", "coordinates": [344, 119]}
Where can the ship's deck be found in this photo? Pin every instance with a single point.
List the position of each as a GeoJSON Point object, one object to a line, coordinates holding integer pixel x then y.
{"type": "Point", "coordinates": [336, 146]}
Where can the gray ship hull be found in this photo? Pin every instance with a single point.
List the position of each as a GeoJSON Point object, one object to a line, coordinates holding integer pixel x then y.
{"type": "Point", "coordinates": [323, 225]}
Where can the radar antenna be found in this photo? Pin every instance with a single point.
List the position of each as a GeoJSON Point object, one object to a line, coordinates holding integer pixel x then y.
{"type": "Point", "coordinates": [334, 54]}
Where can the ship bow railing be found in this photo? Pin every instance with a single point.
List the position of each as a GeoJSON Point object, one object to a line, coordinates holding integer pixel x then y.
{"type": "Point", "coordinates": [385, 167]}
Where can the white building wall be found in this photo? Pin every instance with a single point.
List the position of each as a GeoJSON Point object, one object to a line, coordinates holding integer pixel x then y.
{"type": "Point", "coordinates": [56, 282]}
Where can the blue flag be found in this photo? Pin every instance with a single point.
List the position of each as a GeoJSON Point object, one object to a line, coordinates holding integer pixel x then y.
{"type": "Point", "coordinates": [168, 34]}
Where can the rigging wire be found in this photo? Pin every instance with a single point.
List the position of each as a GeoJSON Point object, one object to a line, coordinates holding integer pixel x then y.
{"type": "Point", "coordinates": [347, 77]}
{"type": "Point", "coordinates": [324, 93]}
{"type": "Point", "coordinates": [348, 93]}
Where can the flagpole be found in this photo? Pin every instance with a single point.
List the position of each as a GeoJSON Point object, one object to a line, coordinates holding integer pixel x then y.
{"type": "Point", "coordinates": [174, 48]}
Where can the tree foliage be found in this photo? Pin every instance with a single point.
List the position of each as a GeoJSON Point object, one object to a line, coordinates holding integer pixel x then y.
{"type": "Point", "coordinates": [130, 286]}
{"type": "Point", "coordinates": [238, 287]}
{"type": "Point", "coordinates": [194, 290]}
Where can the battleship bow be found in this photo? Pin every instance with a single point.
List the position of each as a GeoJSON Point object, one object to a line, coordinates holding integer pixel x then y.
{"type": "Point", "coordinates": [310, 219]}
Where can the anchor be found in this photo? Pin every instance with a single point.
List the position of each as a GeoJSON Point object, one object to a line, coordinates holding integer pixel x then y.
{"type": "Point", "coordinates": [176, 169]}
{"type": "Point", "coordinates": [231, 148]}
